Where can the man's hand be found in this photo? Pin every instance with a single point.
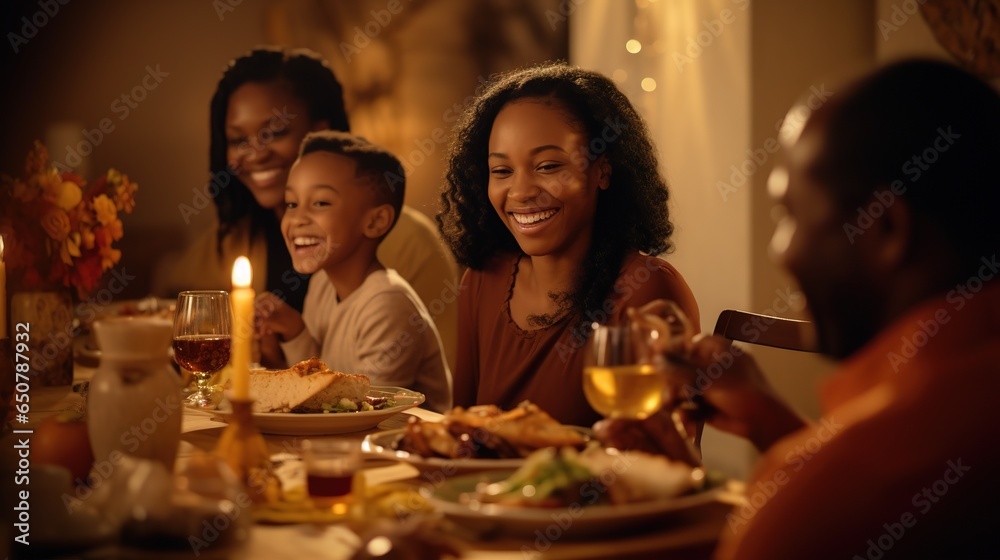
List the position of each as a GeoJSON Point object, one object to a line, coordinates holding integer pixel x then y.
{"type": "Point", "coordinates": [715, 381]}
{"type": "Point", "coordinates": [739, 400]}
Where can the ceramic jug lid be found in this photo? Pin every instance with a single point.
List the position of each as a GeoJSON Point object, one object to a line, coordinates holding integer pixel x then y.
{"type": "Point", "coordinates": [134, 338]}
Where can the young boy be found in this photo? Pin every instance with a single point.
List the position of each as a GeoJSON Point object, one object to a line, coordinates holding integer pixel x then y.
{"type": "Point", "coordinates": [358, 316]}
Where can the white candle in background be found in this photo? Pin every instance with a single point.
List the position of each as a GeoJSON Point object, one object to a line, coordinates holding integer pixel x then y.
{"type": "Point", "coordinates": [3, 293]}
{"type": "Point", "coordinates": [242, 296]}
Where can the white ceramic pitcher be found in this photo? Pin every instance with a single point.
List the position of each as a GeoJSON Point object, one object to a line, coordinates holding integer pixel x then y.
{"type": "Point", "coordinates": [134, 403]}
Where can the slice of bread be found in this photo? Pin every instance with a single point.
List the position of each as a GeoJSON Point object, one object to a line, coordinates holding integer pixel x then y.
{"type": "Point", "coordinates": [305, 387]}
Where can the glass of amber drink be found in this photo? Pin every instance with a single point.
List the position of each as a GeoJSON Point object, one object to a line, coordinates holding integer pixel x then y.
{"type": "Point", "coordinates": [202, 329]}
{"type": "Point", "coordinates": [330, 468]}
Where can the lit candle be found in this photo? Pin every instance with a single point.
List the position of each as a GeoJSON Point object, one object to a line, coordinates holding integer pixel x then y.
{"type": "Point", "coordinates": [242, 297]}
{"type": "Point", "coordinates": [3, 293]}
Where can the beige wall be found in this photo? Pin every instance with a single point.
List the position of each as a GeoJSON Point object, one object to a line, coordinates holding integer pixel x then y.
{"type": "Point", "coordinates": [699, 115]}
{"type": "Point", "coordinates": [899, 33]}
{"type": "Point", "coordinates": [710, 108]}
{"type": "Point", "coordinates": [800, 50]}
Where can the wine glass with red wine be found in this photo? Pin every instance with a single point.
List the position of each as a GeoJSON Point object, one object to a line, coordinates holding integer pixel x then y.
{"type": "Point", "coordinates": [202, 329]}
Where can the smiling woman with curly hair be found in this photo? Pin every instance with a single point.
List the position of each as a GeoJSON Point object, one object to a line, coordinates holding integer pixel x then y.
{"type": "Point", "coordinates": [578, 207]}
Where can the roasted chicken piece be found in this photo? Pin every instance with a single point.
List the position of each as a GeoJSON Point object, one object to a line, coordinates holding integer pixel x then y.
{"type": "Point", "coordinates": [480, 443]}
{"type": "Point", "coordinates": [528, 428]}
{"type": "Point", "coordinates": [428, 439]}
{"type": "Point", "coordinates": [659, 434]}
{"type": "Point", "coordinates": [485, 431]}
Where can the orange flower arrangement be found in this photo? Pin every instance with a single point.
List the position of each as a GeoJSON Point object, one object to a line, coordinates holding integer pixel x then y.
{"type": "Point", "coordinates": [57, 230]}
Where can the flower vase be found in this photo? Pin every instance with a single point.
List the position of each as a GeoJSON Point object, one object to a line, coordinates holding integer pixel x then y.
{"type": "Point", "coordinates": [47, 318]}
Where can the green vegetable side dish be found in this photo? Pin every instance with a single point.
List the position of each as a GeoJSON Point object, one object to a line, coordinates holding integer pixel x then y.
{"type": "Point", "coordinates": [347, 405]}
{"type": "Point", "coordinates": [547, 475]}
{"type": "Point", "coordinates": [562, 477]}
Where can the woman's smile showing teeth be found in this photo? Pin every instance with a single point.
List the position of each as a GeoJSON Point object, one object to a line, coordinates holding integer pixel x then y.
{"type": "Point", "coordinates": [266, 176]}
{"type": "Point", "coordinates": [530, 220]}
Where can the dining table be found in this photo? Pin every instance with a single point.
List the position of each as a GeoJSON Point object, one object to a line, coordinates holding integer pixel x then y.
{"type": "Point", "coordinates": [690, 533]}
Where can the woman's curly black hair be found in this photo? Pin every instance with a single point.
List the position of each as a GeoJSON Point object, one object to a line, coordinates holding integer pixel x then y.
{"type": "Point", "coordinates": [312, 81]}
{"type": "Point", "coordinates": [631, 214]}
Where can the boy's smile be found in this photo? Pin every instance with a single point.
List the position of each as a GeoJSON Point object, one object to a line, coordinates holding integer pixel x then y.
{"type": "Point", "coordinates": [304, 245]}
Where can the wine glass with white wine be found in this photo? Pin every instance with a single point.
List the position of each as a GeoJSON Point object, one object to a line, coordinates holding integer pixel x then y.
{"type": "Point", "coordinates": [627, 366]}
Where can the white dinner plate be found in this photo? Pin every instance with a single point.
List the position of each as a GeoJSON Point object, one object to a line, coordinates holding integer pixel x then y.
{"type": "Point", "coordinates": [580, 521]}
{"type": "Point", "coordinates": [295, 424]}
{"type": "Point", "coordinates": [381, 444]}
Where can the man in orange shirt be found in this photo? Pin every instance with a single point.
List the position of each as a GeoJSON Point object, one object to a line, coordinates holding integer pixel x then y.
{"type": "Point", "coordinates": [892, 232]}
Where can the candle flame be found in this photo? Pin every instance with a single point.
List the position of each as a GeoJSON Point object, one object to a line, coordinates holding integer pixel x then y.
{"type": "Point", "coordinates": [242, 273]}
{"type": "Point", "coordinates": [1, 247]}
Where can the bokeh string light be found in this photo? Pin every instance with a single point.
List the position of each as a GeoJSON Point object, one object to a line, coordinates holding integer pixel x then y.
{"type": "Point", "coordinates": [642, 49]}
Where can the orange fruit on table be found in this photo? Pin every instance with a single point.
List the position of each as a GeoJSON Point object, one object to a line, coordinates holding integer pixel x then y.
{"type": "Point", "coordinates": [62, 440]}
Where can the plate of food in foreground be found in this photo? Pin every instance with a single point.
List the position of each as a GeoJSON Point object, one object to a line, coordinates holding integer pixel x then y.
{"type": "Point", "coordinates": [475, 439]}
{"type": "Point", "coordinates": [309, 399]}
{"type": "Point", "coordinates": [576, 494]}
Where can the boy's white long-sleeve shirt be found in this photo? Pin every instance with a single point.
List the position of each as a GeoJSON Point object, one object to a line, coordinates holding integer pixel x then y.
{"type": "Point", "coordinates": [382, 330]}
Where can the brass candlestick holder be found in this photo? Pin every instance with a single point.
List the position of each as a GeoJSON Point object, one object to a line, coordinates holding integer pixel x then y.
{"type": "Point", "coordinates": [243, 448]}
